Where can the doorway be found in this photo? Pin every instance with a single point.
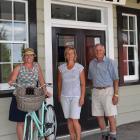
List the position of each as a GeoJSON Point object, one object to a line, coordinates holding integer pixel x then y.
{"type": "Point", "coordinates": [84, 42]}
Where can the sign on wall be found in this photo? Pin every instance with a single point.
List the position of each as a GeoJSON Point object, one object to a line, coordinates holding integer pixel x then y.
{"type": "Point", "coordinates": [120, 2]}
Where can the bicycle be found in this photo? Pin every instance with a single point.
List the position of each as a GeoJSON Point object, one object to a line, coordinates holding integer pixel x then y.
{"type": "Point", "coordinates": [39, 126]}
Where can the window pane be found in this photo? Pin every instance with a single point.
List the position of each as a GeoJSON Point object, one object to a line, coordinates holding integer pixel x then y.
{"type": "Point", "coordinates": [5, 70]}
{"type": "Point", "coordinates": [125, 37]}
{"type": "Point", "coordinates": [90, 15]}
{"type": "Point", "coordinates": [19, 11]}
{"type": "Point", "coordinates": [131, 68]}
{"type": "Point", "coordinates": [19, 31]}
{"type": "Point", "coordinates": [17, 52]}
{"type": "Point", "coordinates": [5, 9]}
{"type": "Point", "coordinates": [131, 23]}
{"type": "Point", "coordinates": [64, 41]}
{"type": "Point", "coordinates": [5, 30]}
{"type": "Point", "coordinates": [63, 12]}
{"type": "Point", "coordinates": [130, 53]}
{"type": "Point", "coordinates": [5, 52]}
{"type": "Point", "coordinates": [125, 22]}
{"type": "Point", "coordinates": [132, 38]}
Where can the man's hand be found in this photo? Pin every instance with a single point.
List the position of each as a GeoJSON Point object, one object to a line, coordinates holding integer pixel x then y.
{"type": "Point", "coordinates": [115, 100]}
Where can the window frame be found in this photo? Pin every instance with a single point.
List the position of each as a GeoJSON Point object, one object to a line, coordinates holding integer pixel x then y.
{"type": "Point", "coordinates": [31, 38]}
{"type": "Point", "coordinates": [131, 80]}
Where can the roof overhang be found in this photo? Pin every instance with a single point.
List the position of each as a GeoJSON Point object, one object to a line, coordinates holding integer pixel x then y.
{"type": "Point", "coordinates": [119, 2]}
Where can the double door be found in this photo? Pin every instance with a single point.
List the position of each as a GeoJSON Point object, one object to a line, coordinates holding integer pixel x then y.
{"type": "Point", "coordinates": [84, 42]}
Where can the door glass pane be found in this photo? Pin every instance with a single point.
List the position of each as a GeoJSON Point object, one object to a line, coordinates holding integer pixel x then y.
{"type": "Point", "coordinates": [125, 22]}
{"type": "Point", "coordinates": [19, 11]}
{"type": "Point", "coordinates": [5, 70]}
{"type": "Point", "coordinates": [125, 37]}
{"type": "Point", "coordinates": [5, 52]}
{"type": "Point", "coordinates": [20, 31]}
{"type": "Point", "coordinates": [17, 52]}
{"type": "Point", "coordinates": [5, 9]}
{"type": "Point", "coordinates": [132, 38]}
{"type": "Point", "coordinates": [63, 12]}
{"type": "Point", "coordinates": [90, 15]}
{"type": "Point", "coordinates": [131, 68]}
{"type": "Point", "coordinates": [64, 41]}
{"type": "Point", "coordinates": [5, 30]}
{"type": "Point", "coordinates": [130, 53]}
{"type": "Point", "coordinates": [131, 23]}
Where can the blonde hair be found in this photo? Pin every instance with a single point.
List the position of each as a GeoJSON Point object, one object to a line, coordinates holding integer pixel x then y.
{"type": "Point", "coordinates": [67, 49]}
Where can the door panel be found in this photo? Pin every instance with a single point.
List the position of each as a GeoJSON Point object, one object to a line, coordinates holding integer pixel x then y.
{"type": "Point", "coordinates": [84, 42]}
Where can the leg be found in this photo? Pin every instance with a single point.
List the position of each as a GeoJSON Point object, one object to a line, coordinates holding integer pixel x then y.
{"type": "Point", "coordinates": [102, 126]}
{"type": "Point", "coordinates": [112, 123]}
{"type": "Point", "coordinates": [71, 129]}
{"type": "Point", "coordinates": [20, 129]}
{"type": "Point", "coordinates": [77, 128]}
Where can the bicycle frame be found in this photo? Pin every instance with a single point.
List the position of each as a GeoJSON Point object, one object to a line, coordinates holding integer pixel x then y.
{"type": "Point", "coordinates": [35, 121]}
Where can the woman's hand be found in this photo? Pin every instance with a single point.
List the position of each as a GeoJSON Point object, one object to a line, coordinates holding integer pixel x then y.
{"type": "Point", "coordinates": [81, 101]}
{"type": "Point", "coordinates": [10, 82]}
{"type": "Point", "coordinates": [48, 94]}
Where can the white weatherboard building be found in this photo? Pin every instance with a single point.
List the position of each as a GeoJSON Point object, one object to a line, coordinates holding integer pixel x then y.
{"type": "Point", "coordinates": [48, 26]}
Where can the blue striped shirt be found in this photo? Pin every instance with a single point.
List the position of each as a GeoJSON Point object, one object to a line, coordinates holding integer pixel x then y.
{"type": "Point", "coordinates": [103, 73]}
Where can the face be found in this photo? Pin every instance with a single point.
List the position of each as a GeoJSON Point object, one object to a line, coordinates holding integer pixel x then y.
{"type": "Point", "coordinates": [70, 56]}
{"type": "Point", "coordinates": [99, 52]}
{"type": "Point", "coordinates": [28, 58]}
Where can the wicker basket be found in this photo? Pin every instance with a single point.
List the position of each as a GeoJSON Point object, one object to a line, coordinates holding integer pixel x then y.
{"type": "Point", "coordinates": [29, 103]}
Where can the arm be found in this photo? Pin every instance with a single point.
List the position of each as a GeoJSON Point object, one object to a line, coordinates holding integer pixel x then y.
{"type": "Point", "coordinates": [82, 81]}
{"type": "Point", "coordinates": [13, 76]}
{"type": "Point", "coordinates": [116, 95]}
{"type": "Point", "coordinates": [59, 84]}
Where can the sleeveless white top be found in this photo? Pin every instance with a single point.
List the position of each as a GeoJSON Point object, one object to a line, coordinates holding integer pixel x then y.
{"type": "Point", "coordinates": [71, 80]}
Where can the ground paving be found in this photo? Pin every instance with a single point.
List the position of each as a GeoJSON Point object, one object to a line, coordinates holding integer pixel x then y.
{"type": "Point", "coordinates": [129, 131]}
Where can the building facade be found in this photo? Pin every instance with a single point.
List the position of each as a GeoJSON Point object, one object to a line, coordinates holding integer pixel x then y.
{"type": "Point", "coordinates": [50, 25]}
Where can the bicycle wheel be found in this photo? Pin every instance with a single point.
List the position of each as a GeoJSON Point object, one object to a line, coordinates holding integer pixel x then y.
{"type": "Point", "coordinates": [28, 129]}
{"type": "Point", "coordinates": [50, 122]}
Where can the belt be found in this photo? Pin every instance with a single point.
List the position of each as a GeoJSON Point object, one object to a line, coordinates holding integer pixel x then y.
{"type": "Point", "coordinates": [101, 87]}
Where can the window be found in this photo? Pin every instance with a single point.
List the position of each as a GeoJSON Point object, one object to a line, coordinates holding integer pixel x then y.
{"type": "Point", "coordinates": [76, 13]}
{"type": "Point", "coordinates": [128, 32]}
{"type": "Point", "coordinates": [17, 26]}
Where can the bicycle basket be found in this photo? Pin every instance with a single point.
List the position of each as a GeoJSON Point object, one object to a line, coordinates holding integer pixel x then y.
{"type": "Point", "coordinates": [29, 103]}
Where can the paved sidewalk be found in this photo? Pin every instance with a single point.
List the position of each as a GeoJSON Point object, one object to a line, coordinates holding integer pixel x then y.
{"type": "Point", "coordinates": [125, 132]}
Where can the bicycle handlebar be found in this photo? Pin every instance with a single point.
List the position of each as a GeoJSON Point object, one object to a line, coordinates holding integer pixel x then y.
{"type": "Point", "coordinates": [46, 84]}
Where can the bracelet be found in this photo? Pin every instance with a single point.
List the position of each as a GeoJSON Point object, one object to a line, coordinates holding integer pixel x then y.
{"type": "Point", "coordinates": [116, 95]}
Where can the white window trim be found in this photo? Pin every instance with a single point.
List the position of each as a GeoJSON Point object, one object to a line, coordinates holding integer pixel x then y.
{"type": "Point", "coordinates": [135, 77]}
{"type": "Point", "coordinates": [5, 86]}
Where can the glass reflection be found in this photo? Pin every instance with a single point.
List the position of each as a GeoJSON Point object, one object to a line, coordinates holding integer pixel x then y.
{"type": "Point", "coordinates": [64, 41]}
{"type": "Point", "coordinates": [131, 68]}
{"type": "Point", "coordinates": [20, 31]}
{"type": "Point", "coordinates": [5, 70]}
{"type": "Point", "coordinates": [19, 11]}
{"type": "Point", "coordinates": [125, 22]}
{"type": "Point", "coordinates": [5, 52]}
{"type": "Point", "coordinates": [125, 37]}
{"type": "Point", "coordinates": [5, 9]}
{"type": "Point", "coordinates": [132, 38]}
{"type": "Point", "coordinates": [17, 52]}
{"type": "Point", "coordinates": [5, 30]}
{"type": "Point", "coordinates": [130, 53]}
{"type": "Point", "coordinates": [131, 23]}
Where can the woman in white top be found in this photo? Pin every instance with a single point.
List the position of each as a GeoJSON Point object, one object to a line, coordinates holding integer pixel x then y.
{"type": "Point", "coordinates": [71, 91]}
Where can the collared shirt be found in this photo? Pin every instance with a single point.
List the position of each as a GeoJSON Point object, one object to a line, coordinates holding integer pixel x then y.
{"type": "Point", "coordinates": [103, 73]}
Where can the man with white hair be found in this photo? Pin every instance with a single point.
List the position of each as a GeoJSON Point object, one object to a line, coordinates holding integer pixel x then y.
{"type": "Point", "coordinates": [104, 76]}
